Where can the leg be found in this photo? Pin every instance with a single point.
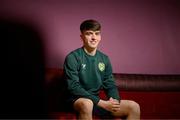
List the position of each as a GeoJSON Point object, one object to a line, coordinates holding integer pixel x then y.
{"type": "Point", "coordinates": [84, 108]}
{"type": "Point", "coordinates": [128, 109]}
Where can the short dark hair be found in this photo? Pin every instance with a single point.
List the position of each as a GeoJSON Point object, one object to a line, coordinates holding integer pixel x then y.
{"type": "Point", "coordinates": [90, 25]}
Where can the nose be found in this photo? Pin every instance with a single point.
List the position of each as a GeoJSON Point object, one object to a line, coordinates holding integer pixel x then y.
{"type": "Point", "coordinates": [93, 36]}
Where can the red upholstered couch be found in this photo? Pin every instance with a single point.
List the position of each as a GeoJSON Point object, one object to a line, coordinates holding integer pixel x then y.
{"type": "Point", "coordinates": [158, 95]}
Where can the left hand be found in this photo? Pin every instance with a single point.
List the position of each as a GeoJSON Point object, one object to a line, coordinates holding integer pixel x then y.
{"type": "Point", "coordinates": [115, 104]}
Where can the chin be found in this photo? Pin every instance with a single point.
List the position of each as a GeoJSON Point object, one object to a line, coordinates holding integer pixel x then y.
{"type": "Point", "coordinates": [93, 47]}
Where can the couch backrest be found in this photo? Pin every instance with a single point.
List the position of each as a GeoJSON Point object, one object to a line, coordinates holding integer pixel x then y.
{"type": "Point", "coordinates": [147, 82]}
{"type": "Point", "coordinates": [130, 82]}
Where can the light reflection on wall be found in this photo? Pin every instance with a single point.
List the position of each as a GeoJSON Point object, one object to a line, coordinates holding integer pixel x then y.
{"type": "Point", "coordinates": [139, 36]}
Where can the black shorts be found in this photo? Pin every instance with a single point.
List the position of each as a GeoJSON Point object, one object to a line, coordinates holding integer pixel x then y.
{"type": "Point", "coordinates": [97, 111]}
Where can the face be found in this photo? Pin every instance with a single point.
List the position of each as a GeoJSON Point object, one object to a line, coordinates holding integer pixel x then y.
{"type": "Point", "coordinates": [91, 39]}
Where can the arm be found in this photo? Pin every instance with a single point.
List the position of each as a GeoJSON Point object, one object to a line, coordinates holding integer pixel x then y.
{"type": "Point", "coordinates": [109, 82]}
{"type": "Point", "coordinates": [71, 71]}
{"type": "Point", "coordinates": [111, 90]}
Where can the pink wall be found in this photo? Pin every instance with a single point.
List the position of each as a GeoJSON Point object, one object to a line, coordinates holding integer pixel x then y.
{"type": "Point", "coordinates": [139, 36]}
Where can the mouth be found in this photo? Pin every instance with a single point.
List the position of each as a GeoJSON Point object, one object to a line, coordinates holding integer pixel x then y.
{"type": "Point", "coordinates": [93, 42]}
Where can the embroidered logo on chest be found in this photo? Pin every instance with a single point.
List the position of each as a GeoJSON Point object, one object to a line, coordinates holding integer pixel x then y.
{"type": "Point", "coordinates": [83, 66]}
{"type": "Point", "coordinates": [101, 66]}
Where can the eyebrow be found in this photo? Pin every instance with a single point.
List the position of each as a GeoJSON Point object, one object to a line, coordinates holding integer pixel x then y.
{"type": "Point", "coordinates": [92, 31]}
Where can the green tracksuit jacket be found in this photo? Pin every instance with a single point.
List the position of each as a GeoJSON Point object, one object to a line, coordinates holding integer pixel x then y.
{"type": "Point", "coordinates": [86, 75]}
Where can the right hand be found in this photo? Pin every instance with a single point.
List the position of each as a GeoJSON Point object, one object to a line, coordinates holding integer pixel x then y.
{"type": "Point", "coordinates": [110, 105]}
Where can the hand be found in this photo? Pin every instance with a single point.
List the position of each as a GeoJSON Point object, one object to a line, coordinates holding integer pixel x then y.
{"type": "Point", "coordinates": [113, 100]}
{"type": "Point", "coordinates": [111, 105]}
{"type": "Point", "coordinates": [107, 105]}
{"type": "Point", "coordinates": [115, 104]}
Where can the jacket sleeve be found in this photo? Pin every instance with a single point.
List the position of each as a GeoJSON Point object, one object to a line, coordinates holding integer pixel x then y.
{"type": "Point", "coordinates": [71, 72]}
{"type": "Point", "coordinates": [109, 82]}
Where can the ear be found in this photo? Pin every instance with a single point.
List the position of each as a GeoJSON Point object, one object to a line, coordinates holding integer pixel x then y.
{"type": "Point", "coordinates": [81, 36]}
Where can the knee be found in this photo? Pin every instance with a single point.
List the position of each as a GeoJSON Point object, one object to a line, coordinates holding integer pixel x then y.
{"type": "Point", "coordinates": [134, 107]}
{"type": "Point", "coordinates": [84, 105]}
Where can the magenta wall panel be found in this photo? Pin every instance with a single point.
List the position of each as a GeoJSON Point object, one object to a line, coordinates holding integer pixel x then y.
{"type": "Point", "coordinates": [139, 36]}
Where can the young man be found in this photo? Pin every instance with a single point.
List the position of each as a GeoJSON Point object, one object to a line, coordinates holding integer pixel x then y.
{"type": "Point", "coordinates": [87, 71]}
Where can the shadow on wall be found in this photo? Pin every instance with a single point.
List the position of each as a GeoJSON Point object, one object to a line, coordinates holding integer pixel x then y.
{"type": "Point", "coordinates": [23, 93]}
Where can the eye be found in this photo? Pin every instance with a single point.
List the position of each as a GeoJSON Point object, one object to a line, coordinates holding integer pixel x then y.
{"type": "Point", "coordinates": [88, 33]}
{"type": "Point", "coordinates": [97, 33]}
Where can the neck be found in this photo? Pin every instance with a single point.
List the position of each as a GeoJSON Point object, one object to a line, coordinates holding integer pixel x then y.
{"type": "Point", "coordinates": [91, 52]}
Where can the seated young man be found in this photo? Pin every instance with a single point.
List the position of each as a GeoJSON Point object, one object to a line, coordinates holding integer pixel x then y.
{"type": "Point", "coordinates": [87, 71]}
